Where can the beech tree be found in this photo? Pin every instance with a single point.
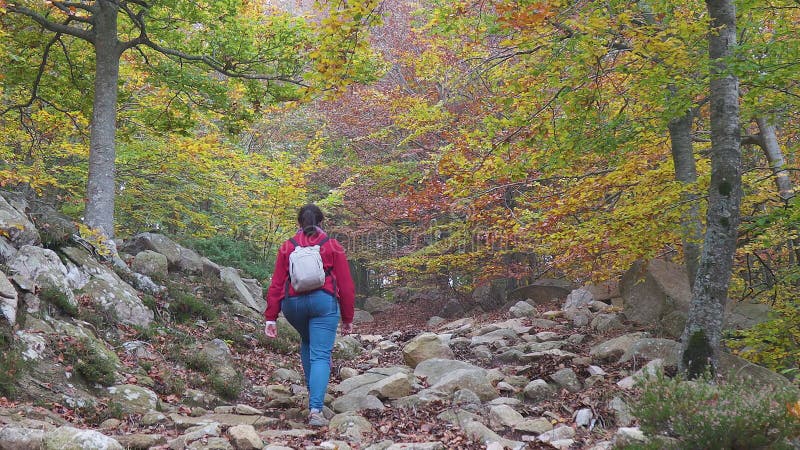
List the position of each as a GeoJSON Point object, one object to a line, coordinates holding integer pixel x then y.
{"type": "Point", "coordinates": [229, 37]}
{"type": "Point", "coordinates": [703, 333]}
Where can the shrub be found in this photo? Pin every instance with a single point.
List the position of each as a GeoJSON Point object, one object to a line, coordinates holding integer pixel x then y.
{"type": "Point", "coordinates": [227, 389]}
{"type": "Point", "coordinates": [185, 307]}
{"type": "Point", "coordinates": [55, 297]}
{"type": "Point", "coordinates": [12, 364]}
{"type": "Point", "coordinates": [227, 251]}
{"type": "Point", "coordinates": [92, 365]}
{"type": "Point", "coordinates": [704, 415]}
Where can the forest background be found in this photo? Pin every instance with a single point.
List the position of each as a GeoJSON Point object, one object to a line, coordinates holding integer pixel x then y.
{"type": "Point", "coordinates": [452, 143]}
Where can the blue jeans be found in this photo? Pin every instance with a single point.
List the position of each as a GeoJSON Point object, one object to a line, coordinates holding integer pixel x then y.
{"type": "Point", "coordinates": [315, 316]}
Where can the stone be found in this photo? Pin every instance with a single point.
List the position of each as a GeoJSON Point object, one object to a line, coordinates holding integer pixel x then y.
{"type": "Point", "coordinates": [141, 441]}
{"type": "Point", "coordinates": [604, 291]}
{"type": "Point", "coordinates": [596, 371]}
{"type": "Point", "coordinates": [244, 437]}
{"type": "Point", "coordinates": [392, 387]}
{"type": "Point", "coordinates": [522, 309]}
{"type": "Point", "coordinates": [377, 304]}
{"type": "Point", "coordinates": [204, 430]}
{"type": "Point", "coordinates": [538, 390]}
{"type": "Point", "coordinates": [416, 446]}
{"type": "Point", "coordinates": [544, 336]}
{"type": "Point", "coordinates": [596, 306]}
{"type": "Point", "coordinates": [150, 263]}
{"type": "Point", "coordinates": [133, 399]}
{"type": "Point", "coordinates": [435, 321]}
{"type": "Point", "coordinates": [736, 368]}
{"type": "Point", "coordinates": [247, 410]}
{"type": "Point", "coordinates": [584, 417]}
{"type": "Point", "coordinates": [452, 308]}
{"type": "Point", "coordinates": [69, 438]}
{"type": "Point", "coordinates": [8, 299]}
{"type": "Point", "coordinates": [120, 300]}
{"type": "Point", "coordinates": [613, 349]}
{"type": "Point", "coordinates": [578, 298]}
{"type": "Point", "coordinates": [152, 418]}
{"type": "Point", "coordinates": [579, 317]}
{"type": "Point", "coordinates": [466, 397]}
{"type": "Point", "coordinates": [182, 422]}
{"type": "Point", "coordinates": [210, 268]}
{"type": "Point", "coordinates": [562, 444]}
{"type": "Point", "coordinates": [212, 443]}
{"type": "Point", "coordinates": [435, 369]}
{"type": "Point", "coordinates": [426, 346]}
{"type": "Point", "coordinates": [357, 402]}
{"type": "Point", "coordinates": [347, 372]}
{"type": "Point", "coordinates": [283, 374]}
{"type": "Point", "coordinates": [473, 380]}
{"type": "Point", "coordinates": [482, 433]}
{"type": "Point", "coordinates": [603, 323]}
{"type": "Point", "coordinates": [504, 416]}
{"type": "Point", "coordinates": [157, 243]}
{"type": "Point", "coordinates": [535, 426]}
{"type": "Point", "coordinates": [557, 434]}
{"type": "Point", "coordinates": [43, 267]}
{"type": "Point", "coordinates": [567, 379]}
{"type": "Point", "coordinates": [654, 348]}
{"type": "Point", "coordinates": [652, 291]}
{"type": "Point", "coordinates": [741, 315]}
{"type": "Point", "coordinates": [361, 316]}
{"type": "Point", "coordinates": [625, 436]}
{"type": "Point", "coordinates": [496, 338]}
{"type": "Point", "coordinates": [347, 347]}
{"type": "Point", "coordinates": [241, 293]}
{"type": "Point", "coordinates": [7, 251]}
{"type": "Point", "coordinates": [621, 411]}
{"type": "Point", "coordinates": [15, 226]}
{"type": "Point", "coordinates": [20, 438]}
{"type": "Point", "coordinates": [350, 425]}
{"type": "Point", "coordinates": [542, 291]}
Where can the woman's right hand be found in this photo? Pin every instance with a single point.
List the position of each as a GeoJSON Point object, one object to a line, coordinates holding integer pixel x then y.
{"type": "Point", "coordinates": [271, 330]}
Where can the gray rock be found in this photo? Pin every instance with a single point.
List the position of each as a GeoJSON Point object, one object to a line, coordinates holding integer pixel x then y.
{"type": "Point", "coordinates": [119, 299]}
{"type": "Point", "coordinates": [141, 441]}
{"type": "Point", "coordinates": [392, 387]}
{"type": "Point", "coordinates": [150, 263]}
{"type": "Point", "coordinates": [579, 298]}
{"type": "Point", "coordinates": [69, 438]}
{"type": "Point", "coordinates": [7, 251]}
{"type": "Point", "coordinates": [466, 397]}
{"type": "Point", "coordinates": [545, 336]}
{"type": "Point", "coordinates": [416, 446]}
{"type": "Point", "coordinates": [377, 304]}
{"type": "Point", "coordinates": [621, 411]}
{"type": "Point", "coordinates": [15, 226]}
{"type": "Point", "coordinates": [426, 346]}
{"type": "Point", "coordinates": [522, 309]}
{"type": "Point", "coordinates": [579, 317]}
{"type": "Point", "coordinates": [133, 399]}
{"type": "Point", "coordinates": [742, 315]}
{"type": "Point", "coordinates": [584, 417]}
{"type": "Point", "coordinates": [361, 316]}
{"type": "Point", "coordinates": [613, 349]}
{"type": "Point", "coordinates": [736, 368]}
{"type": "Point", "coordinates": [435, 321]}
{"type": "Point", "coordinates": [535, 426]}
{"type": "Point", "coordinates": [497, 338]}
{"type": "Point", "coordinates": [8, 299]}
{"type": "Point", "coordinates": [504, 416]}
{"type": "Point", "coordinates": [283, 374]}
{"type": "Point", "coordinates": [626, 436]}
{"type": "Point", "coordinates": [567, 379]}
{"type": "Point", "coordinates": [435, 369]}
{"type": "Point", "coordinates": [604, 291]}
{"type": "Point", "coordinates": [473, 380]}
{"type": "Point", "coordinates": [603, 323]}
{"type": "Point", "coordinates": [350, 425]}
{"type": "Point", "coordinates": [482, 433]}
{"type": "Point", "coordinates": [357, 402]}
{"type": "Point", "coordinates": [210, 268]}
{"type": "Point", "coordinates": [542, 291]}
{"type": "Point", "coordinates": [556, 434]}
{"type": "Point", "coordinates": [157, 243]}
{"type": "Point", "coordinates": [653, 290]}
{"type": "Point", "coordinates": [43, 267]}
{"type": "Point", "coordinates": [538, 390]}
{"type": "Point", "coordinates": [653, 348]}
{"type": "Point", "coordinates": [244, 437]}
{"type": "Point", "coordinates": [20, 438]}
{"type": "Point", "coordinates": [347, 348]}
{"type": "Point", "coordinates": [231, 279]}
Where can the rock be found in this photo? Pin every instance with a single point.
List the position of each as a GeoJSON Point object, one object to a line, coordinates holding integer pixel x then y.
{"type": "Point", "coordinates": [654, 348]}
{"type": "Point", "coordinates": [626, 436]}
{"type": "Point", "coordinates": [557, 434]}
{"type": "Point", "coordinates": [283, 374]}
{"type": "Point", "coordinates": [8, 299]}
{"type": "Point", "coordinates": [210, 268]}
{"type": "Point", "coordinates": [452, 308]}
{"type": "Point", "coordinates": [19, 438]}
{"type": "Point", "coordinates": [416, 446]}
{"type": "Point", "coordinates": [495, 339]}
{"type": "Point", "coordinates": [193, 397]}
{"type": "Point", "coordinates": [596, 306]}
{"type": "Point", "coordinates": [392, 387]}
{"type": "Point", "coordinates": [579, 298]}
{"type": "Point", "coordinates": [741, 315]}
{"type": "Point", "coordinates": [604, 291]}
{"type": "Point", "coordinates": [538, 390]}
{"type": "Point", "coordinates": [474, 380]}
{"type": "Point", "coordinates": [535, 426]}
{"type": "Point", "coordinates": [613, 349]}
{"type": "Point", "coordinates": [157, 243]}
{"type": "Point", "coordinates": [579, 317]}
{"type": "Point", "coordinates": [541, 291]}
{"type": "Point", "coordinates": [584, 417]}
{"type": "Point", "coordinates": [736, 368]}
{"type": "Point", "coordinates": [545, 336]}
{"type": "Point", "coordinates": [15, 226]}
{"type": "Point", "coordinates": [150, 263]}
{"type": "Point", "coordinates": [140, 441]}
{"type": "Point", "coordinates": [119, 299]}
{"type": "Point", "coordinates": [522, 309]}
{"type": "Point", "coordinates": [244, 437]}
{"type": "Point", "coordinates": [435, 321]}
{"type": "Point", "coordinates": [426, 346]}
{"type": "Point", "coordinates": [209, 429]}
{"type": "Point", "coordinates": [356, 402]}
{"type": "Point", "coordinates": [133, 399]}
{"type": "Point", "coordinates": [656, 290]}
{"type": "Point", "coordinates": [247, 410]}
{"type": "Point", "coordinates": [7, 251]}
{"type": "Point", "coordinates": [603, 323]}
{"type": "Point", "coordinates": [43, 267]}
{"type": "Point", "coordinates": [69, 438]}
{"type": "Point", "coordinates": [218, 356]}
{"type": "Point", "coordinates": [567, 379]}
{"type": "Point", "coordinates": [504, 416]}
{"type": "Point", "coordinates": [377, 304]}
{"type": "Point", "coordinates": [182, 422]}
{"type": "Point", "coordinates": [466, 397]}
{"type": "Point", "coordinates": [361, 316]}
{"type": "Point", "coordinates": [351, 425]}
{"type": "Point", "coordinates": [492, 296]}
{"type": "Point", "coordinates": [231, 279]}
{"type": "Point", "coordinates": [347, 348]}
{"type": "Point", "coordinates": [481, 433]}
{"type": "Point", "coordinates": [362, 384]}
{"type": "Point", "coordinates": [152, 418]}
{"type": "Point", "coordinates": [622, 413]}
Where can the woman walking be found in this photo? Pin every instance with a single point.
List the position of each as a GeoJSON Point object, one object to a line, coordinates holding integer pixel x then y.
{"type": "Point", "coordinates": [311, 273]}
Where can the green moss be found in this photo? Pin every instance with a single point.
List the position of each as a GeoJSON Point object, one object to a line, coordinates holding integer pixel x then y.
{"type": "Point", "coordinates": [227, 389]}
{"type": "Point", "coordinates": [91, 364]}
{"type": "Point", "coordinates": [698, 355]}
{"type": "Point", "coordinates": [186, 307]}
{"type": "Point", "coordinates": [58, 299]}
{"type": "Point", "coordinates": [12, 364]}
{"type": "Point", "coordinates": [725, 188]}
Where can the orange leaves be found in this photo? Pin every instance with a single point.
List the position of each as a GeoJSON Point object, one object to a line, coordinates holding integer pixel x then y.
{"type": "Point", "coordinates": [794, 409]}
{"type": "Point", "coordinates": [525, 17]}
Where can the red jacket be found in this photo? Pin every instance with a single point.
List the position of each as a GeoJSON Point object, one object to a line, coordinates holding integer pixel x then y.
{"type": "Point", "coordinates": [333, 260]}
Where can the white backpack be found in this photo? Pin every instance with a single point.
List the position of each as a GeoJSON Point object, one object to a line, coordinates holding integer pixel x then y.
{"type": "Point", "coordinates": [306, 272]}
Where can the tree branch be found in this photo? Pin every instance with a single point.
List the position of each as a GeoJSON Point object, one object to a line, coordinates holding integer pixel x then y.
{"type": "Point", "coordinates": [38, 79]}
{"type": "Point", "coordinates": [50, 25]}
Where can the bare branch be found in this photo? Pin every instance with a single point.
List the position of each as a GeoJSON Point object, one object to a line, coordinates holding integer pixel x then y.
{"type": "Point", "coordinates": [50, 25]}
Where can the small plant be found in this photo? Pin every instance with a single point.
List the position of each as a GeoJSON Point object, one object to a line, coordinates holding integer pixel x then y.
{"type": "Point", "coordinates": [227, 388]}
{"type": "Point", "coordinates": [286, 343]}
{"type": "Point", "coordinates": [186, 307]}
{"type": "Point", "coordinates": [705, 415]}
{"type": "Point", "coordinates": [229, 332]}
{"type": "Point", "coordinates": [198, 362]}
{"type": "Point", "coordinates": [92, 365]}
{"type": "Point", "coordinates": [55, 297]}
{"type": "Point", "coordinates": [12, 364]}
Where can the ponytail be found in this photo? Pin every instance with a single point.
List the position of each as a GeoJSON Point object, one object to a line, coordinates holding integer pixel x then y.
{"type": "Point", "coordinates": [309, 217]}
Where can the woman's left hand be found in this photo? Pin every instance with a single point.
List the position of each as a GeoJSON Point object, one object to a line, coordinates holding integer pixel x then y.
{"type": "Point", "coordinates": [271, 330]}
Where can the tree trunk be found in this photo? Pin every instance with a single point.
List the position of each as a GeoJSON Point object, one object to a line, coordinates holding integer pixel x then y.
{"type": "Point", "coordinates": [772, 150]}
{"type": "Point", "coordinates": [702, 336]}
{"type": "Point", "coordinates": [100, 187]}
{"type": "Point", "coordinates": [680, 133]}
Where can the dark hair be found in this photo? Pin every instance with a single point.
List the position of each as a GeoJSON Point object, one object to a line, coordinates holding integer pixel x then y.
{"type": "Point", "coordinates": [309, 217]}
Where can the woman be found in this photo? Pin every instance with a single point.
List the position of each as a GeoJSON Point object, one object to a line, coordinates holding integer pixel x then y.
{"type": "Point", "coordinates": [314, 314]}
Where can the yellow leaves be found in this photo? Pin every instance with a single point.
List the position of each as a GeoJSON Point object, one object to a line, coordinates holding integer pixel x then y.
{"type": "Point", "coordinates": [96, 238]}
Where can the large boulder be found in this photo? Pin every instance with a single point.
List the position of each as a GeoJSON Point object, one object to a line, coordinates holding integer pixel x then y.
{"type": "Point", "coordinates": [69, 438]}
{"type": "Point", "coordinates": [54, 228]}
{"type": "Point", "coordinates": [474, 380]}
{"type": "Point", "coordinates": [150, 263]}
{"type": "Point", "coordinates": [373, 305]}
{"type": "Point", "coordinates": [613, 349]}
{"type": "Point", "coordinates": [179, 259]}
{"type": "Point", "coordinates": [7, 251]}
{"type": "Point", "coordinates": [656, 294]}
{"type": "Point", "coordinates": [8, 299]}
{"type": "Point", "coordinates": [16, 226]}
{"type": "Point", "coordinates": [426, 346]}
{"type": "Point", "coordinates": [43, 267]}
{"type": "Point", "coordinates": [133, 399]}
{"type": "Point", "coordinates": [541, 292]}
{"type": "Point", "coordinates": [231, 279]}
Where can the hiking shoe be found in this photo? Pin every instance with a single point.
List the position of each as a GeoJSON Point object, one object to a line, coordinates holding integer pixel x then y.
{"type": "Point", "coordinates": [316, 419]}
